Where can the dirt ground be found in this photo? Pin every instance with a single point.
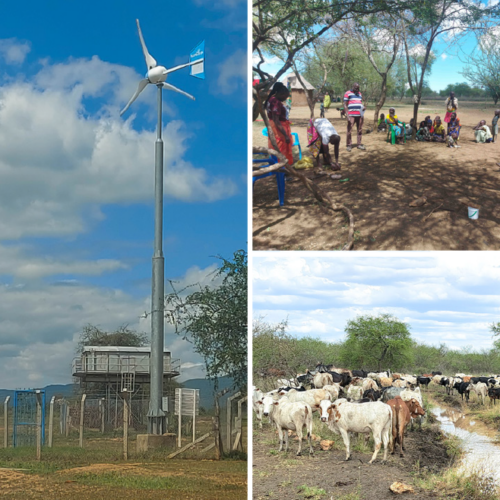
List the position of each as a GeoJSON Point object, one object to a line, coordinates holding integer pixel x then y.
{"type": "Point", "coordinates": [378, 184]}
{"type": "Point", "coordinates": [190, 480]}
{"type": "Point", "coordinates": [279, 475]}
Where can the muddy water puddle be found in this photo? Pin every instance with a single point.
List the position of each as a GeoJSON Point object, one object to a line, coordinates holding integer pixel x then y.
{"type": "Point", "coordinates": [481, 453]}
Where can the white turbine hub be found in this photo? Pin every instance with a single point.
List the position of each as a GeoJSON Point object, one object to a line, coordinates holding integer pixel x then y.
{"type": "Point", "coordinates": [157, 75]}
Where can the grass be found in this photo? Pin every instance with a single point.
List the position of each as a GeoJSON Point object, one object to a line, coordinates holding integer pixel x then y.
{"type": "Point", "coordinates": [455, 486]}
{"type": "Point", "coordinates": [98, 471]}
{"type": "Point", "coordinates": [311, 492]}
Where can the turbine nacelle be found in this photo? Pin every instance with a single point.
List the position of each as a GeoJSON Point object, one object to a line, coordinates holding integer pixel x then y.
{"type": "Point", "coordinates": [157, 75]}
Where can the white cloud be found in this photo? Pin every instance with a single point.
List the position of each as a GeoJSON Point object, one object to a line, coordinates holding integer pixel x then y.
{"type": "Point", "coordinates": [59, 162]}
{"type": "Point", "coordinates": [444, 297]}
{"type": "Point", "coordinates": [232, 73]}
{"type": "Point", "coordinates": [40, 327]}
{"type": "Point", "coordinates": [444, 56]}
{"type": "Point", "coordinates": [13, 51]}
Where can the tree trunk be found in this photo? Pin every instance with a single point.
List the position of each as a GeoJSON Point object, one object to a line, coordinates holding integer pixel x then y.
{"type": "Point", "coordinates": [381, 100]}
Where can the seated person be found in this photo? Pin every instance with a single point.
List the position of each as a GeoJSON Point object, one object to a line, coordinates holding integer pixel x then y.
{"type": "Point", "coordinates": [392, 119]}
{"type": "Point", "coordinates": [423, 133]}
{"type": "Point", "coordinates": [482, 132]}
{"type": "Point", "coordinates": [381, 125]}
{"type": "Point", "coordinates": [320, 134]}
{"type": "Point", "coordinates": [453, 131]}
{"type": "Point", "coordinates": [408, 131]}
{"type": "Point", "coordinates": [428, 122]}
{"type": "Point", "coordinates": [438, 133]}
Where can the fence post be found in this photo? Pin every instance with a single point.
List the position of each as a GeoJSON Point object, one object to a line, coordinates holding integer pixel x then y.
{"type": "Point", "coordinates": [179, 428]}
{"type": "Point", "coordinates": [51, 420]}
{"type": "Point", "coordinates": [38, 425]}
{"type": "Point", "coordinates": [229, 419]}
{"type": "Point", "coordinates": [6, 422]}
{"type": "Point", "coordinates": [101, 410]}
{"type": "Point", "coordinates": [238, 443]}
{"type": "Point", "coordinates": [82, 414]}
{"type": "Point", "coordinates": [194, 415]}
{"type": "Point", "coordinates": [125, 424]}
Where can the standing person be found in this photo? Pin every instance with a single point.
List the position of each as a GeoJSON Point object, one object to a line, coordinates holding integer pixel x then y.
{"type": "Point", "coordinates": [320, 134]}
{"type": "Point", "coordinates": [494, 124]}
{"type": "Point", "coordinates": [322, 109]}
{"type": "Point", "coordinates": [354, 109]}
{"type": "Point", "coordinates": [451, 106]}
{"type": "Point", "coordinates": [276, 112]}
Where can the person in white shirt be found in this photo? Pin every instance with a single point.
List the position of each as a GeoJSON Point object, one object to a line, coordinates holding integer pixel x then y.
{"type": "Point", "coordinates": [321, 133]}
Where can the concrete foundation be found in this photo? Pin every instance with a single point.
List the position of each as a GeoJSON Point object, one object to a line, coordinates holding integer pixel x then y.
{"type": "Point", "coordinates": [146, 442]}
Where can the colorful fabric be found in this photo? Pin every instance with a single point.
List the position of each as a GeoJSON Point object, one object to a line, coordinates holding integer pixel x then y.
{"type": "Point", "coordinates": [274, 105]}
{"type": "Point", "coordinates": [393, 120]}
{"type": "Point", "coordinates": [313, 140]}
{"type": "Point", "coordinates": [454, 127]}
{"type": "Point", "coordinates": [327, 101]}
{"type": "Point", "coordinates": [438, 129]}
{"type": "Point", "coordinates": [423, 134]}
{"type": "Point", "coordinates": [354, 103]}
{"type": "Point", "coordinates": [447, 116]}
{"type": "Point", "coordinates": [284, 148]}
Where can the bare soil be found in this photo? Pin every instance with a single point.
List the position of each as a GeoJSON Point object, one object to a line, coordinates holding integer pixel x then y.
{"type": "Point", "coordinates": [282, 475]}
{"type": "Point", "coordinates": [201, 479]}
{"type": "Point", "coordinates": [378, 185]}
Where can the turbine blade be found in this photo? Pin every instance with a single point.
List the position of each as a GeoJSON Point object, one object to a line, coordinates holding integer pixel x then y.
{"type": "Point", "coordinates": [175, 89]}
{"type": "Point", "coordinates": [171, 70]}
{"type": "Point", "coordinates": [140, 88]}
{"type": "Point", "coordinates": [150, 60]}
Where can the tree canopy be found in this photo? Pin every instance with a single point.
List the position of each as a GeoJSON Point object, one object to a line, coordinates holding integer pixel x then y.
{"type": "Point", "coordinates": [123, 336]}
{"type": "Point", "coordinates": [214, 318]}
{"type": "Point", "coordinates": [377, 342]}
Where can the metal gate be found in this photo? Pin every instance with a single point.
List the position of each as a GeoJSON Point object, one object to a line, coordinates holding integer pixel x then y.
{"type": "Point", "coordinates": [29, 409]}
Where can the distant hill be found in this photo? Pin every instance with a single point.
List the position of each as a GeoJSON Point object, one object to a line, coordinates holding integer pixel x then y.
{"type": "Point", "coordinates": [205, 386]}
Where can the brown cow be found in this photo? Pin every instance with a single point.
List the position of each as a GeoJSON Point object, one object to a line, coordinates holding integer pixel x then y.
{"type": "Point", "coordinates": [385, 382]}
{"type": "Point", "coordinates": [400, 419]}
{"type": "Point", "coordinates": [395, 376]}
{"type": "Point", "coordinates": [466, 379]}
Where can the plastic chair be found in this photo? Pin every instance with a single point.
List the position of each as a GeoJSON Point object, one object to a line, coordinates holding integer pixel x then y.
{"type": "Point", "coordinates": [295, 140]}
{"type": "Point", "coordinates": [280, 176]}
{"type": "Point", "coordinates": [391, 133]}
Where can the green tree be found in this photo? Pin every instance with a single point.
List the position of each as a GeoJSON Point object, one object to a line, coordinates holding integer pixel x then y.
{"type": "Point", "coordinates": [376, 341]}
{"type": "Point", "coordinates": [214, 319]}
{"type": "Point", "coordinates": [483, 66]}
{"type": "Point", "coordinates": [433, 20]}
{"type": "Point", "coordinates": [123, 336]}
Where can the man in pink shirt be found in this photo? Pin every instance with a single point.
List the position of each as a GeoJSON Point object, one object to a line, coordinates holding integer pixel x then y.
{"type": "Point", "coordinates": [354, 109]}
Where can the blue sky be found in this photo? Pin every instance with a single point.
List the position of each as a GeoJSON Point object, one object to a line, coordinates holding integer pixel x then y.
{"type": "Point", "coordinates": [445, 70]}
{"type": "Point", "coordinates": [76, 190]}
{"type": "Point", "coordinates": [449, 297]}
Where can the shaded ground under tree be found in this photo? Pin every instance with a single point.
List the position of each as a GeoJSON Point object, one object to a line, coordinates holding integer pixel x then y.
{"type": "Point", "coordinates": [382, 181]}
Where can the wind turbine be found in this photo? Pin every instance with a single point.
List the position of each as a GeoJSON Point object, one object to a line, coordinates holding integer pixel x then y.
{"type": "Point", "coordinates": [157, 75]}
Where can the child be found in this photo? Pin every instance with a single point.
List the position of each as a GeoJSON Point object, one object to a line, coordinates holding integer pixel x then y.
{"type": "Point", "coordinates": [381, 125]}
{"type": "Point", "coordinates": [494, 124]}
{"type": "Point", "coordinates": [438, 133]}
{"type": "Point", "coordinates": [322, 110]}
{"type": "Point", "coordinates": [423, 133]}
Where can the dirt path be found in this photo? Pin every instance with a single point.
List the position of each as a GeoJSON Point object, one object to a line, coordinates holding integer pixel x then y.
{"type": "Point", "coordinates": [281, 476]}
{"type": "Point", "coordinates": [382, 181]}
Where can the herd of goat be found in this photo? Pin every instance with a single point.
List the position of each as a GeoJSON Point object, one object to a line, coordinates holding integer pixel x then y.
{"type": "Point", "coordinates": [378, 403]}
